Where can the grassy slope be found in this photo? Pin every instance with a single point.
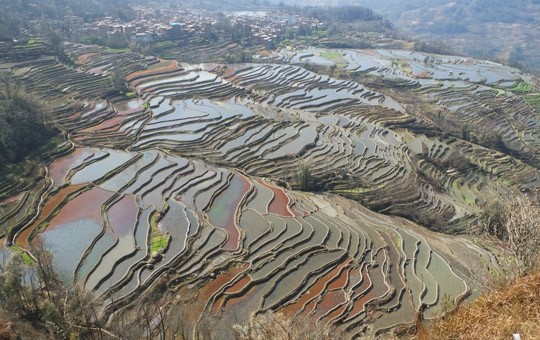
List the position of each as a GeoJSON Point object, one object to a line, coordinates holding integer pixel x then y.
{"type": "Point", "coordinates": [494, 315]}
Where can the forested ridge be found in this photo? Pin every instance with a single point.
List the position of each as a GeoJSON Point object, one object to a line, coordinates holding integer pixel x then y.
{"type": "Point", "coordinates": [22, 128]}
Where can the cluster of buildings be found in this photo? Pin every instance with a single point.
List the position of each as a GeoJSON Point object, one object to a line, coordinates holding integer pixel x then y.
{"type": "Point", "coordinates": [162, 24]}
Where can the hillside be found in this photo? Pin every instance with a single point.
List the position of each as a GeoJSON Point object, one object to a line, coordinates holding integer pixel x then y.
{"type": "Point", "coordinates": [203, 178]}
{"type": "Point", "coordinates": [494, 315]}
{"type": "Point", "coordinates": [228, 183]}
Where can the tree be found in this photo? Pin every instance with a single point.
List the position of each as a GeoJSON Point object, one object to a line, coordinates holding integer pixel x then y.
{"type": "Point", "coordinates": [522, 228]}
{"type": "Point", "coordinates": [55, 40]}
{"type": "Point", "coordinates": [518, 225]}
{"type": "Point", "coordinates": [22, 126]}
{"type": "Point", "coordinates": [36, 294]}
{"type": "Point", "coordinates": [279, 327]}
{"type": "Point", "coordinates": [304, 177]}
{"type": "Point", "coordinates": [118, 82]}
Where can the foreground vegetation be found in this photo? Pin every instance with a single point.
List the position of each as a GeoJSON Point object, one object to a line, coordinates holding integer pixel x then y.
{"type": "Point", "coordinates": [496, 314]}
{"type": "Point", "coordinates": [511, 305]}
{"type": "Point", "coordinates": [37, 300]}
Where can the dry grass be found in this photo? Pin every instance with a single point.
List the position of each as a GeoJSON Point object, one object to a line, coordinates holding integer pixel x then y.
{"type": "Point", "coordinates": [494, 315]}
{"type": "Point", "coordinates": [6, 331]}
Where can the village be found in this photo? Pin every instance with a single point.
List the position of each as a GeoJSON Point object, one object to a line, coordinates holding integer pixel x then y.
{"type": "Point", "coordinates": [165, 24]}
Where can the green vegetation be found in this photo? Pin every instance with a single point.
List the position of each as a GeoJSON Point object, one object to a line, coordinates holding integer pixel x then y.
{"type": "Point", "coordinates": [499, 92]}
{"type": "Point", "coordinates": [521, 87]}
{"type": "Point", "coordinates": [533, 99]}
{"type": "Point", "coordinates": [403, 66]}
{"type": "Point", "coordinates": [332, 55]}
{"type": "Point", "coordinates": [26, 258]}
{"type": "Point", "coordinates": [165, 44]}
{"type": "Point", "coordinates": [159, 243]}
{"type": "Point", "coordinates": [30, 44]}
{"type": "Point", "coordinates": [34, 42]}
{"type": "Point", "coordinates": [117, 50]}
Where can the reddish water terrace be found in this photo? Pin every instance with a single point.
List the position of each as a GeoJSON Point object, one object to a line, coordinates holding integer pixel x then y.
{"type": "Point", "coordinates": [210, 289]}
{"type": "Point", "coordinates": [161, 67]}
{"type": "Point", "coordinates": [130, 106]}
{"type": "Point", "coordinates": [315, 290]}
{"type": "Point", "coordinates": [114, 121]}
{"type": "Point", "coordinates": [123, 215]}
{"type": "Point", "coordinates": [99, 70]}
{"type": "Point", "coordinates": [123, 112]}
{"type": "Point", "coordinates": [279, 204]}
{"type": "Point", "coordinates": [60, 167]}
{"type": "Point", "coordinates": [85, 206]}
{"type": "Point", "coordinates": [47, 209]}
{"type": "Point", "coordinates": [223, 211]}
{"type": "Point", "coordinates": [225, 279]}
{"type": "Point", "coordinates": [84, 57]}
{"type": "Point", "coordinates": [74, 228]}
{"type": "Point", "coordinates": [12, 199]}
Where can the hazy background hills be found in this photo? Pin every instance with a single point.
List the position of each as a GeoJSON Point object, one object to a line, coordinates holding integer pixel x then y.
{"type": "Point", "coordinates": [506, 31]}
{"type": "Point", "coordinates": [495, 29]}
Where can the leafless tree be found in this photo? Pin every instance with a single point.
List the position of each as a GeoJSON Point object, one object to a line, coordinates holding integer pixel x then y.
{"type": "Point", "coordinates": [522, 229]}
{"type": "Point", "coordinates": [280, 327]}
{"type": "Point", "coordinates": [517, 224]}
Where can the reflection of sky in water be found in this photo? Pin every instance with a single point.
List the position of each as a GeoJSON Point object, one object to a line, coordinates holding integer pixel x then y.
{"type": "Point", "coordinates": [68, 242]}
{"type": "Point", "coordinates": [97, 169]}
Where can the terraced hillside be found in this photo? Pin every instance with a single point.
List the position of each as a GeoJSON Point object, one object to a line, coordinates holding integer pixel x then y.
{"type": "Point", "coordinates": [179, 185]}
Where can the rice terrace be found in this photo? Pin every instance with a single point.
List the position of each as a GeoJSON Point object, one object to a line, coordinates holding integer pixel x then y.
{"type": "Point", "coordinates": [331, 184]}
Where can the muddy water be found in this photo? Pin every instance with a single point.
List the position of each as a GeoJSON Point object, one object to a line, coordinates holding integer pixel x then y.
{"type": "Point", "coordinates": [315, 290]}
{"type": "Point", "coordinates": [47, 209]}
{"type": "Point", "coordinates": [74, 228]}
{"type": "Point", "coordinates": [366, 291]}
{"type": "Point", "coordinates": [280, 203]}
{"type": "Point", "coordinates": [330, 300]}
{"type": "Point", "coordinates": [60, 167]}
{"type": "Point", "coordinates": [211, 288]}
{"type": "Point", "coordinates": [123, 216]}
{"type": "Point", "coordinates": [223, 211]}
